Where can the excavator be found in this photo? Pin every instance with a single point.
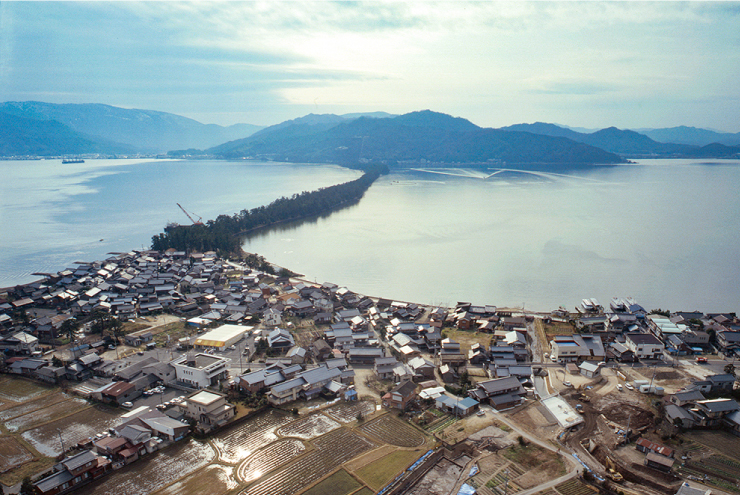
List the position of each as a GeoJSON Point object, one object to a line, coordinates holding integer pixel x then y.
{"type": "Point", "coordinates": [611, 471]}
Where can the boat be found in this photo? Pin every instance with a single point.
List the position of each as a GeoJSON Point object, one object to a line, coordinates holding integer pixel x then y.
{"type": "Point", "coordinates": [73, 160]}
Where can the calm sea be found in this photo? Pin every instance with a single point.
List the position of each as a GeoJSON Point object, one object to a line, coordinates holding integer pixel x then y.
{"type": "Point", "coordinates": [662, 231]}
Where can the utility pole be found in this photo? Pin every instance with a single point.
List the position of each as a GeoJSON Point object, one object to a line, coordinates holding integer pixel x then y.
{"type": "Point", "coordinates": [61, 441]}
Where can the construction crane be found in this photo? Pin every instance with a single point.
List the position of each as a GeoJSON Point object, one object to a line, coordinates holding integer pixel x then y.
{"type": "Point", "coordinates": [199, 222]}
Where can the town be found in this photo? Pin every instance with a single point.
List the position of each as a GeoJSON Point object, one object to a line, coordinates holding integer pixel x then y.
{"type": "Point", "coordinates": [167, 372]}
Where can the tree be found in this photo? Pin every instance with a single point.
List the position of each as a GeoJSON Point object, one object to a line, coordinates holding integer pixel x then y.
{"type": "Point", "coordinates": [27, 487]}
{"type": "Point", "coordinates": [69, 327]}
{"type": "Point", "coordinates": [730, 369]}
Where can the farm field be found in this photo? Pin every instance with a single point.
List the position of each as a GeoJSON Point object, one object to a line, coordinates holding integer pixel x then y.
{"type": "Point", "coordinates": [574, 487]}
{"type": "Point", "coordinates": [12, 454]}
{"type": "Point", "coordinates": [271, 457]}
{"type": "Point", "coordinates": [40, 402]}
{"type": "Point", "coordinates": [45, 414]}
{"type": "Point", "coordinates": [346, 412]}
{"type": "Point", "coordinates": [154, 471]}
{"type": "Point", "coordinates": [214, 480]}
{"type": "Point", "coordinates": [242, 440]}
{"type": "Point", "coordinates": [339, 483]}
{"type": "Point", "coordinates": [72, 428]}
{"type": "Point", "coordinates": [721, 442]}
{"type": "Point", "coordinates": [309, 427]}
{"type": "Point", "coordinates": [391, 430]}
{"type": "Point", "coordinates": [17, 389]}
{"type": "Point", "coordinates": [331, 451]}
{"type": "Point", "coordinates": [381, 471]}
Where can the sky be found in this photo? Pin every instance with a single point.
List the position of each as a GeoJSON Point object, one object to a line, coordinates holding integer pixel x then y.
{"type": "Point", "coordinates": [583, 64]}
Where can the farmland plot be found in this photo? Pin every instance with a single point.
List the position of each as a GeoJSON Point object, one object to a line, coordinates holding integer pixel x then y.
{"type": "Point", "coordinates": [13, 389]}
{"type": "Point", "coordinates": [12, 454]}
{"type": "Point", "coordinates": [154, 471]}
{"type": "Point", "coordinates": [391, 430]}
{"type": "Point", "coordinates": [32, 405]}
{"type": "Point", "coordinates": [332, 450]}
{"type": "Point", "coordinates": [346, 412]}
{"type": "Point", "coordinates": [214, 480]}
{"type": "Point", "coordinates": [265, 460]}
{"type": "Point", "coordinates": [39, 416]}
{"type": "Point", "coordinates": [309, 427]}
{"type": "Point", "coordinates": [242, 440]}
{"type": "Point", "coordinates": [74, 428]}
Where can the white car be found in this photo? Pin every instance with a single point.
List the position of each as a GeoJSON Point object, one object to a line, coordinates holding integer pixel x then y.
{"type": "Point", "coordinates": [619, 387]}
{"type": "Point", "coordinates": [127, 405]}
{"type": "Point", "coordinates": [567, 384]}
{"type": "Point", "coordinates": [629, 387]}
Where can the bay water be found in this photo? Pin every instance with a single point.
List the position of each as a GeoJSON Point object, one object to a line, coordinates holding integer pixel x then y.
{"type": "Point", "coordinates": [665, 232]}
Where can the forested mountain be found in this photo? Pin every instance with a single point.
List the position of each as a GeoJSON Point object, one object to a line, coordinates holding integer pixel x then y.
{"type": "Point", "coordinates": [21, 136]}
{"type": "Point", "coordinates": [414, 137]}
{"type": "Point", "coordinates": [143, 130]}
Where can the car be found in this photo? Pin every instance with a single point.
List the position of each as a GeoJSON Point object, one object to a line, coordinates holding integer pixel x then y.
{"type": "Point", "coordinates": [619, 387]}
{"type": "Point", "coordinates": [232, 347]}
{"type": "Point", "coordinates": [553, 358]}
{"type": "Point", "coordinates": [567, 384]}
{"type": "Point", "coordinates": [579, 407]}
{"type": "Point", "coordinates": [481, 413]}
{"type": "Point", "coordinates": [629, 387]}
{"type": "Point", "coordinates": [701, 360]}
{"type": "Point", "coordinates": [127, 405]}
{"type": "Point", "coordinates": [111, 347]}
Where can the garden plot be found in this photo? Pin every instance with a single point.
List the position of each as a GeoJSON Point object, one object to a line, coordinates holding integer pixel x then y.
{"type": "Point", "coordinates": [309, 427]}
{"type": "Point", "coordinates": [271, 457]}
{"type": "Point", "coordinates": [40, 416]}
{"type": "Point", "coordinates": [154, 471]}
{"type": "Point", "coordinates": [16, 389]}
{"type": "Point", "coordinates": [346, 412]}
{"type": "Point", "coordinates": [332, 450]}
{"type": "Point", "coordinates": [32, 405]}
{"type": "Point", "coordinates": [214, 480]}
{"type": "Point", "coordinates": [390, 429]}
{"type": "Point", "coordinates": [239, 442]}
{"type": "Point", "coordinates": [12, 454]}
{"type": "Point", "coordinates": [74, 428]}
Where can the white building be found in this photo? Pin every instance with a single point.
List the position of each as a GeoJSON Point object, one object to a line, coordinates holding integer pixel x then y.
{"type": "Point", "coordinates": [201, 370]}
{"type": "Point", "coordinates": [209, 408]}
{"type": "Point", "coordinates": [571, 348]}
{"type": "Point", "coordinates": [644, 345]}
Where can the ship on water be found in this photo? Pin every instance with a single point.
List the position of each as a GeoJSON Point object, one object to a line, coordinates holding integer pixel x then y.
{"type": "Point", "coordinates": [73, 160]}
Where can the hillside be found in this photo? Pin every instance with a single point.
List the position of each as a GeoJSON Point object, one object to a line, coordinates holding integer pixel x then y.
{"type": "Point", "coordinates": [417, 136]}
{"type": "Point", "coordinates": [21, 136]}
{"type": "Point", "coordinates": [692, 136]}
{"type": "Point", "coordinates": [144, 130]}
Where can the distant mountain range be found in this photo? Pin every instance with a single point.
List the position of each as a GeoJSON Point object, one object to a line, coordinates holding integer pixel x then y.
{"type": "Point", "coordinates": [633, 144]}
{"type": "Point", "coordinates": [134, 130]}
{"type": "Point", "coordinates": [44, 129]}
{"type": "Point", "coordinates": [423, 136]}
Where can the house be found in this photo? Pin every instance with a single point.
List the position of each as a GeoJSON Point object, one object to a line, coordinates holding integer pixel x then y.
{"type": "Point", "coordinates": [306, 385]}
{"type": "Point", "coordinates": [644, 345]}
{"type": "Point", "coordinates": [501, 393]}
{"type": "Point", "coordinates": [722, 383]}
{"type": "Point", "coordinates": [209, 408]}
{"type": "Point", "coordinates": [728, 341]}
{"type": "Point", "coordinates": [272, 317]}
{"type": "Point", "coordinates": [675, 345]}
{"type": "Point", "coordinates": [136, 339]}
{"type": "Point", "coordinates": [659, 462]}
{"type": "Point", "coordinates": [384, 366]}
{"type": "Point", "coordinates": [422, 368]}
{"type": "Point", "coordinates": [711, 412]}
{"type": "Point", "coordinates": [644, 445]}
{"type": "Point", "coordinates": [364, 355]}
{"type": "Point", "coordinates": [621, 353]}
{"type": "Point", "coordinates": [321, 350]}
{"type": "Point", "coordinates": [201, 370]}
{"type": "Point", "coordinates": [280, 339]}
{"type": "Point", "coordinates": [19, 343]}
{"type": "Point", "coordinates": [401, 396]}
{"type": "Point", "coordinates": [167, 428]}
{"type": "Point", "coordinates": [457, 406]}
{"type": "Point", "coordinates": [686, 397]}
{"type": "Point", "coordinates": [565, 348]}
{"type": "Point", "coordinates": [117, 392]}
{"type": "Point", "coordinates": [679, 416]}
{"type": "Point", "coordinates": [297, 355]}
{"type": "Point", "coordinates": [74, 472]}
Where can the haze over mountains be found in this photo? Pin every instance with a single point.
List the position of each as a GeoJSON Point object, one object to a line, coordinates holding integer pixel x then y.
{"type": "Point", "coordinates": [45, 129]}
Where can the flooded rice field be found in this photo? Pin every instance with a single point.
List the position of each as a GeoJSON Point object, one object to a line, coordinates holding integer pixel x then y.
{"type": "Point", "coordinates": [17, 389]}
{"type": "Point", "coordinates": [331, 451]}
{"type": "Point", "coordinates": [346, 412]}
{"type": "Point", "coordinates": [12, 454]}
{"type": "Point", "coordinates": [74, 428]}
{"type": "Point", "coordinates": [309, 427]}
{"type": "Point", "coordinates": [213, 480]}
{"type": "Point", "coordinates": [240, 441]}
{"type": "Point", "coordinates": [31, 405]}
{"type": "Point", "coordinates": [155, 471]}
{"type": "Point", "coordinates": [265, 460]}
{"type": "Point", "coordinates": [43, 415]}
